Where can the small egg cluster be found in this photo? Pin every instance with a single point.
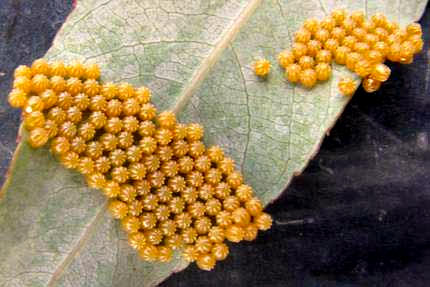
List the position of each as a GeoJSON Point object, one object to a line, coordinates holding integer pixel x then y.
{"type": "Point", "coordinates": [169, 190]}
{"type": "Point", "coordinates": [362, 45]}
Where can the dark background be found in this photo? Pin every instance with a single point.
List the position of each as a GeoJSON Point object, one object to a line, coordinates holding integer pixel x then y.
{"type": "Point", "coordinates": [358, 216]}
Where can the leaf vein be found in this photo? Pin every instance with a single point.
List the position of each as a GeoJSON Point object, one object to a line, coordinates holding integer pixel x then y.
{"type": "Point", "coordinates": [80, 244]}
{"type": "Point", "coordinates": [248, 135]}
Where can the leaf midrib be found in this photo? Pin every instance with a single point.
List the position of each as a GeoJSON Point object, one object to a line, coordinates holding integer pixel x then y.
{"type": "Point", "coordinates": [202, 71]}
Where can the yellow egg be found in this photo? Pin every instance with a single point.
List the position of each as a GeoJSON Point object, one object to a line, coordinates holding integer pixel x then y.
{"type": "Point", "coordinates": [323, 71]}
{"type": "Point", "coordinates": [381, 72]}
{"type": "Point", "coordinates": [371, 85]}
{"type": "Point", "coordinates": [206, 262]}
{"type": "Point", "coordinates": [38, 137]}
{"type": "Point", "coordinates": [262, 67]}
{"type": "Point", "coordinates": [17, 98]}
{"type": "Point", "coordinates": [292, 73]}
{"type": "Point", "coordinates": [346, 86]}
{"type": "Point", "coordinates": [286, 58]}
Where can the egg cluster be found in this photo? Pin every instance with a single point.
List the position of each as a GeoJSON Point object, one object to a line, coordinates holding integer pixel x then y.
{"type": "Point", "coordinates": [362, 45]}
{"type": "Point", "coordinates": [169, 190]}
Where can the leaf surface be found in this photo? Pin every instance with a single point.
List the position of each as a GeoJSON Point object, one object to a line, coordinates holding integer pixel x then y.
{"type": "Point", "coordinates": [196, 57]}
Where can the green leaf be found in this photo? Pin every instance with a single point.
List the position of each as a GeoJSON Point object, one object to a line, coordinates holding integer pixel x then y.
{"type": "Point", "coordinates": [196, 57]}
